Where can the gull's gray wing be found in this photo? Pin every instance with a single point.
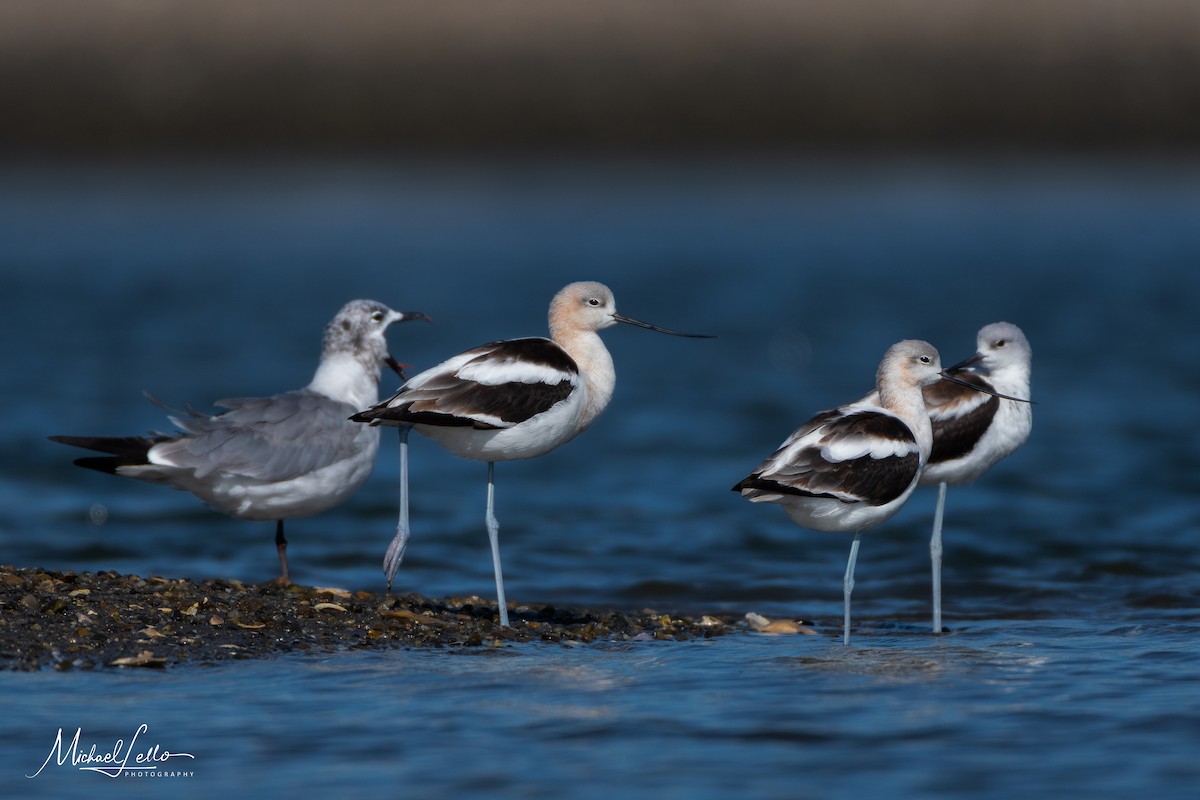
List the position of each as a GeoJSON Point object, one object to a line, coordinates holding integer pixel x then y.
{"type": "Point", "coordinates": [265, 438]}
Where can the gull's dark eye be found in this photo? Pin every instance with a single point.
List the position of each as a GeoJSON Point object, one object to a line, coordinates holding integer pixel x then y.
{"type": "Point", "coordinates": [377, 316]}
{"type": "Point", "coordinates": [1001, 342]}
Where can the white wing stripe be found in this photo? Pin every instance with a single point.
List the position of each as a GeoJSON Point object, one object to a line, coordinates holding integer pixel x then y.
{"type": "Point", "coordinates": [850, 449]}
{"type": "Point", "coordinates": [491, 372]}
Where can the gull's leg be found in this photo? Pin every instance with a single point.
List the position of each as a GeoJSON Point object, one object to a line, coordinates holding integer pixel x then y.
{"type": "Point", "coordinates": [848, 587]}
{"type": "Point", "coordinates": [395, 551]}
{"type": "Point", "coordinates": [935, 557]}
{"type": "Point", "coordinates": [493, 529]}
{"type": "Point", "coordinates": [281, 548]}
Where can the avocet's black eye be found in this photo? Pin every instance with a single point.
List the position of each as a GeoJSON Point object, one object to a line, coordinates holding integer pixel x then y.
{"type": "Point", "coordinates": [926, 360]}
{"type": "Point", "coordinates": [594, 302]}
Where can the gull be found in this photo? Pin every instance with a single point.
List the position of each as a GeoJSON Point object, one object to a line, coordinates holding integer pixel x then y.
{"type": "Point", "coordinates": [853, 467]}
{"type": "Point", "coordinates": [508, 400]}
{"type": "Point", "coordinates": [272, 458]}
{"type": "Point", "coordinates": [973, 430]}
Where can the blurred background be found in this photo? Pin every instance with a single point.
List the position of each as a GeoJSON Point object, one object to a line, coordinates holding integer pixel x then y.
{"type": "Point", "coordinates": [189, 192]}
{"type": "Point", "coordinates": [535, 75]}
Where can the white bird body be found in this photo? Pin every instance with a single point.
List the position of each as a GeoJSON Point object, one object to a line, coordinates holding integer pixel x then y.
{"type": "Point", "coordinates": [325, 471]}
{"type": "Point", "coordinates": [839, 437]}
{"type": "Point", "coordinates": [972, 427]}
{"type": "Point", "coordinates": [852, 468]}
{"type": "Point", "coordinates": [293, 454]}
{"type": "Point", "coordinates": [555, 401]}
{"type": "Point", "coordinates": [510, 399]}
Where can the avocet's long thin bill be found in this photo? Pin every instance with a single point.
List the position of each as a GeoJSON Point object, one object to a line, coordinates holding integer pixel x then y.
{"type": "Point", "coordinates": [648, 326]}
{"type": "Point", "coordinates": [970, 385]}
{"type": "Point", "coordinates": [968, 362]}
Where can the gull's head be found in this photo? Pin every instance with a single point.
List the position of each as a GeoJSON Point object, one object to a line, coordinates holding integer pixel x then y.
{"type": "Point", "coordinates": [359, 328]}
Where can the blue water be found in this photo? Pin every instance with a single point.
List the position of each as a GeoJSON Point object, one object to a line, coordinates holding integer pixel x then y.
{"type": "Point", "coordinates": [1070, 568]}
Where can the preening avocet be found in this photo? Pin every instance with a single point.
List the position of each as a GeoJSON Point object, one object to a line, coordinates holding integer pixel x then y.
{"type": "Point", "coordinates": [511, 399]}
{"type": "Point", "coordinates": [273, 458]}
{"type": "Point", "coordinates": [853, 467]}
{"type": "Point", "coordinates": [972, 430]}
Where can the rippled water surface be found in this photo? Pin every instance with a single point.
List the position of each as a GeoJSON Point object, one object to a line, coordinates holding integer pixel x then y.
{"type": "Point", "coordinates": [1071, 593]}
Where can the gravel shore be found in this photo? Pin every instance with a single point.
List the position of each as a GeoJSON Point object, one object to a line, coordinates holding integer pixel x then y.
{"type": "Point", "coordinates": [86, 620]}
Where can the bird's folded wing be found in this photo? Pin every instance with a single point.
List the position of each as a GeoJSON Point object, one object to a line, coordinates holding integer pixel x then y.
{"type": "Point", "coordinates": [861, 457]}
{"type": "Point", "coordinates": [959, 415]}
{"type": "Point", "coordinates": [497, 385]}
{"type": "Point", "coordinates": [266, 438]}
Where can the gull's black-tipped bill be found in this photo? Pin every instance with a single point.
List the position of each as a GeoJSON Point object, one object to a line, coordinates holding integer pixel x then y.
{"type": "Point", "coordinates": [405, 316]}
{"type": "Point", "coordinates": [408, 316]}
{"type": "Point", "coordinates": [648, 326]}
{"type": "Point", "coordinates": [992, 392]}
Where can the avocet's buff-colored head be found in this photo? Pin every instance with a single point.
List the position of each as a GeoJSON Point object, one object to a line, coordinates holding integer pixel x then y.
{"type": "Point", "coordinates": [589, 306]}
{"type": "Point", "coordinates": [583, 306]}
{"type": "Point", "coordinates": [911, 363]}
{"type": "Point", "coordinates": [1002, 345]}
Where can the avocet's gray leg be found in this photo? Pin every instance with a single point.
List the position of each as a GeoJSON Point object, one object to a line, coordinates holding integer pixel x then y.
{"type": "Point", "coordinates": [395, 551]}
{"type": "Point", "coordinates": [935, 557]}
{"type": "Point", "coordinates": [493, 529]}
{"type": "Point", "coordinates": [848, 587]}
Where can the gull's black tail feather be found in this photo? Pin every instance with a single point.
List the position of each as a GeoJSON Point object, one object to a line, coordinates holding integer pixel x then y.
{"type": "Point", "coordinates": [125, 451]}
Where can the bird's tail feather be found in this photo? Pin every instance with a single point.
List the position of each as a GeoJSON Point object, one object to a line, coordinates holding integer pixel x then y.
{"type": "Point", "coordinates": [124, 451]}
